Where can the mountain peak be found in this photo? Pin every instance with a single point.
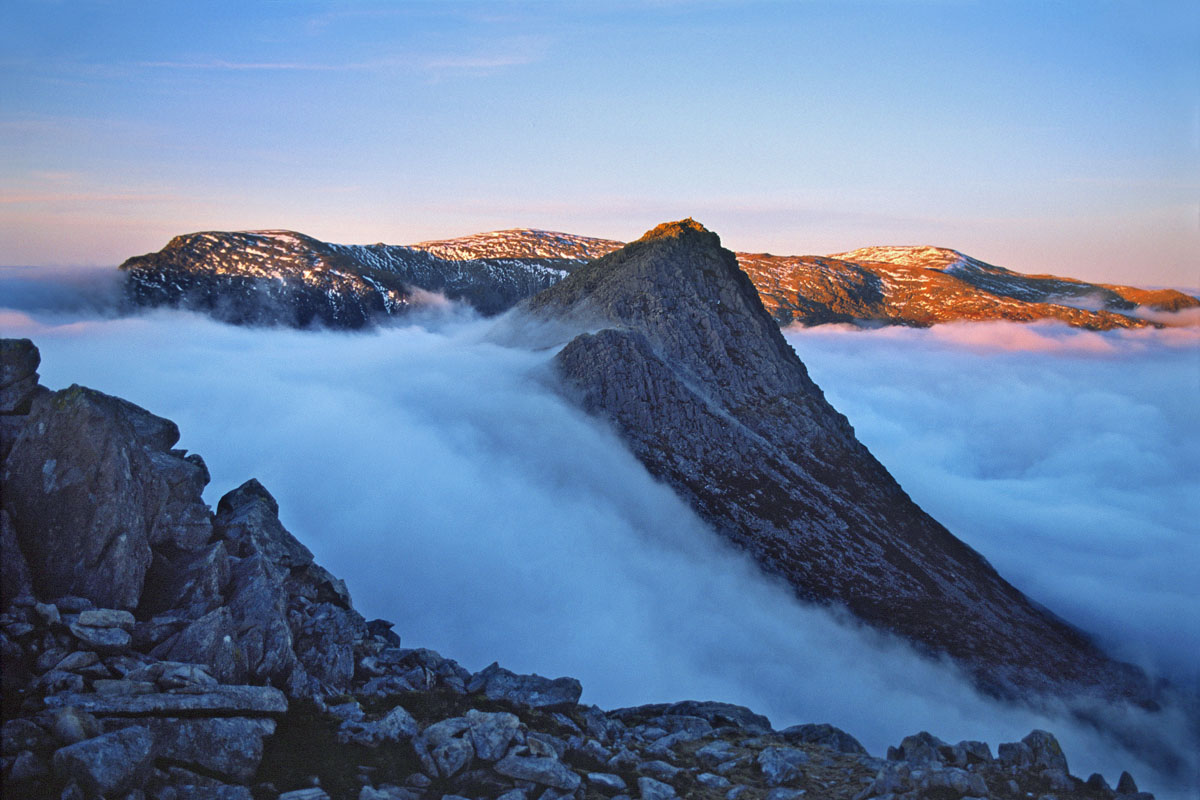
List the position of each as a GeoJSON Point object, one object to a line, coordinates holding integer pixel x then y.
{"type": "Point", "coordinates": [678, 229]}
{"type": "Point", "coordinates": [684, 361]}
{"type": "Point", "coordinates": [942, 259]}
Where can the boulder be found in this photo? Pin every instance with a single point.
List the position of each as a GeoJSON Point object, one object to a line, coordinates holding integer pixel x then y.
{"type": "Point", "coordinates": [1045, 750]}
{"type": "Point", "coordinates": [109, 763]}
{"type": "Point", "coordinates": [824, 735]}
{"type": "Point", "coordinates": [395, 726]}
{"type": "Point", "coordinates": [14, 573]}
{"type": "Point", "coordinates": [491, 733]}
{"type": "Point", "coordinates": [102, 639]}
{"type": "Point", "coordinates": [952, 781]}
{"type": "Point", "coordinates": [920, 748]}
{"type": "Point", "coordinates": [532, 691]}
{"type": "Point", "coordinates": [21, 734]}
{"type": "Point", "coordinates": [1015, 754]}
{"type": "Point", "coordinates": [606, 782]}
{"type": "Point", "coordinates": [248, 518]}
{"type": "Point", "coordinates": [210, 640]}
{"type": "Point", "coordinates": [199, 787]}
{"type": "Point", "coordinates": [1096, 785]}
{"type": "Point", "coordinates": [105, 618]}
{"type": "Point", "coordinates": [91, 484]}
{"type": "Point", "coordinates": [976, 752]}
{"type": "Point", "coordinates": [1126, 784]}
{"type": "Point", "coordinates": [313, 793]}
{"type": "Point", "coordinates": [715, 753]}
{"type": "Point", "coordinates": [652, 789]}
{"type": "Point", "coordinates": [444, 749]}
{"type": "Point", "coordinates": [1057, 780]}
{"type": "Point", "coordinates": [19, 361]}
{"type": "Point", "coordinates": [382, 629]}
{"type": "Point", "coordinates": [542, 770]}
{"type": "Point", "coordinates": [79, 488]}
{"type": "Point", "coordinates": [228, 747]}
{"type": "Point", "coordinates": [713, 781]}
{"type": "Point", "coordinates": [299, 624]}
{"type": "Point", "coordinates": [169, 675]}
{"type": "Point", "coordinates": [70, 724]}
{"type": "Point", "coordinates": [25, 767]}
{"type": "Point", "coordinates": [183, 520]}
{"type": "Point", "coordinates": [660, 769]}
{"type": "Point", "coordinates": [324, 636]}
{"type": "Point", "coordinates": [781, 765]}
{"type": "Point", "coordinates": [778, 793]}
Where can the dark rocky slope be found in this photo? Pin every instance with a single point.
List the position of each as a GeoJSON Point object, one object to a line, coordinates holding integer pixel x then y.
{"type": "Point", "coordinates": [155, 649]}
{"type": "Point", "coordinates": [696, 377]}
{"type": "Point", "coordinates": [280, 277]}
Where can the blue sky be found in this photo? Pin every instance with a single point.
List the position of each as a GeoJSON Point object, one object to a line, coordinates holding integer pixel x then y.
{"type": "Point", "coordinates": [1048, 136]}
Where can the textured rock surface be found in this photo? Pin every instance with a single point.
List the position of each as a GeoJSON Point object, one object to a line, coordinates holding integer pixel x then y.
{"type": "Point", "coordinates": [695, 376]}
{"type": "Point", "coordinates": [107, 763]}
{"type": "Point", "coordinates": [92, 481]}
{"type": "Point", "coordinates": [19, 361]}
{"type": "Point", "coordinates": [526, 690]}
{"type": "Point", "coordinates": [281, 277]}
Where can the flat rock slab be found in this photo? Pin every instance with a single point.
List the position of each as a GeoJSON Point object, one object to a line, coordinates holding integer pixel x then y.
{"type": "Point", "coordinates": [539, 769]}
{"type": "Point", "coordinates": [232, 747]}
{"type": "Point", "coordinates": [232, 700]}
{"type": "Point", "coordinates": [533, 691]}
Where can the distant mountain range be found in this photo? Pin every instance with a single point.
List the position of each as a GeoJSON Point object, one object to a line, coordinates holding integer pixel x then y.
{"type": "Point", "coordinates": [282, 277]}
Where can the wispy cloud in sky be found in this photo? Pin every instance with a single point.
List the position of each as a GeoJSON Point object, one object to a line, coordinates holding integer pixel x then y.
{"type": "Point", "coordinates": [481, 60]}
{"type": "Point", "coordinates": [240, 66]}
{"type": "Point", "coordinates": [845, 113]}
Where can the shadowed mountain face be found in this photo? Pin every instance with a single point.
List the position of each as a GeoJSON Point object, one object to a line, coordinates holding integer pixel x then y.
{"type": "Point", "coordinates": [694, 374]}
{"type": "Point", "coordinates": [280, 277]}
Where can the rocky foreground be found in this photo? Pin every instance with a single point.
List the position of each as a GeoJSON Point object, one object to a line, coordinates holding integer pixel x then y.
{"type": "Point", "coordinates": [155, 649]}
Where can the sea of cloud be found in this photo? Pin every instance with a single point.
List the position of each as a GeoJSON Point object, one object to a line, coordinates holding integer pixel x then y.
{"type": "Point", "coordinates": [1070, 459]}
{"type": "Point", "coordinates": [443, 477]}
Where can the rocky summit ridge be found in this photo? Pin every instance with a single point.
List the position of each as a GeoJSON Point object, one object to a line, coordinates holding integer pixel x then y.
{"type": "Point", "coordinates": [155, 649]}
{"type": "Point", "coordinates": [679, 355]}
{"type": "Point", "coordinates": [283, 277]}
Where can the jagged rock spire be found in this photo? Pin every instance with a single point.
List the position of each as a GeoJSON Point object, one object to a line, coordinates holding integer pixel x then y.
{"type": "Point", "coordinates": [694, 374]}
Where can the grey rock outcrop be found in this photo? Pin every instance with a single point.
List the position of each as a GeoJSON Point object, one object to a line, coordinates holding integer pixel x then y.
{"type": "Point", "coordinates": [19, 361]}
{"type": "Point", "coordinates": [683, 360]}
{"type": "Point", "coordinates": [89, 481]}
{"type": "Point", "coordinates": [825, 735]}
{"type": "Point", "coordinates": [526, 690]}
{"type": "Point", "coordinates": [108, 763]}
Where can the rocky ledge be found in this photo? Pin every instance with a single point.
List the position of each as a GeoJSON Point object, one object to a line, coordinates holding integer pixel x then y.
{"type": "Point", "coordinates": [155, 649]}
